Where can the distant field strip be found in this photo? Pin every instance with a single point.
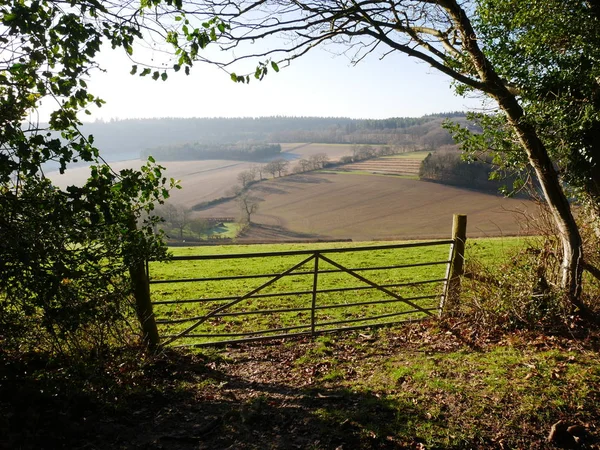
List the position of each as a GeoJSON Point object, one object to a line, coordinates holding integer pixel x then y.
{"type": "Point", "coordinates": [387, 166]}
{"type": "Point", "coordinates": [256, 295]}
{"type": "Point", "coordinates": [406, 164]}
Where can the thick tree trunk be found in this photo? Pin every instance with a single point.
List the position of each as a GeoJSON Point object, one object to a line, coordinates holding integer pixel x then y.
{"type": "Point", "coordinates": [572, 263]}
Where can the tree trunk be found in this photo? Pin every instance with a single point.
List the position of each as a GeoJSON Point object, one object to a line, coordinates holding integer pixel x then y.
{"type": "Point", "coordinates": [558, 203]}
{"type": "Point", "coordinates": [572, 262]}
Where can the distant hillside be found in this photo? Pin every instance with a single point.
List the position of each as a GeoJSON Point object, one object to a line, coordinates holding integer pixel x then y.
{"type": "Point", "coordinates": [127, 139]}
{"type": "Point", "coordinates": [197, 151]}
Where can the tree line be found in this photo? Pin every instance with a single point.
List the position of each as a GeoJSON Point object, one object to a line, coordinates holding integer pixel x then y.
{"type": "Point", "coordinates": [131, 136]}
{"type": "Point", "coordinates": [196, 151]}
{"type": "Point", "coordinates": [448, 167]}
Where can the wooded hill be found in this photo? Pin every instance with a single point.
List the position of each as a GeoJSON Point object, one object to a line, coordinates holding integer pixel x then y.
{"type": "Point", "coordinates": [126, 139]}
{"type": "Point", "coordinates": [196, 151]}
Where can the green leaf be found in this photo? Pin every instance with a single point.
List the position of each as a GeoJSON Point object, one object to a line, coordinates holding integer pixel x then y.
{"type": "Point", "coordinates": [145, 72]}
{"type": "Point", "coordinates": [164, 76]}
{"type": "Point", "coordinates": [151, 159]}
{"type": "Point", "coordinates": [274, 66]}
{"type": "Point", "coordinates": [133, 69]}
{"type": "Point", "coordinates": [234, 77]}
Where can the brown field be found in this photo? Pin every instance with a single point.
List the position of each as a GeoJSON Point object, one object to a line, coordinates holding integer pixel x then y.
{"type": "Point", "coordinates": [333, 151]}
{"type": "Point", "coordinates": [208, 179]}
{"type": "Point", "coordinates": [201, 180]}
{"type": "Point", "coordinates": [367, 207]}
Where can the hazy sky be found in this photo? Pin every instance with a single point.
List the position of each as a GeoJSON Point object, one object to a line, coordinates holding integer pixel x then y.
{"type": "Point", "coordinates": [317, 84]}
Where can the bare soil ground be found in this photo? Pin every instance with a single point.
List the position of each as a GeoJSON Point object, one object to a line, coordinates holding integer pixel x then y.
{"type": "Point", "coordinates": [208, 179]}
{"type": "Point", "coordinates": [370, 207]}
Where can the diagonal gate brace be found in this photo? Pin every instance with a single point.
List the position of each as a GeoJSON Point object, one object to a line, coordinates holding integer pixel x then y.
{"type": "Point", "coordinates": [237, 300]}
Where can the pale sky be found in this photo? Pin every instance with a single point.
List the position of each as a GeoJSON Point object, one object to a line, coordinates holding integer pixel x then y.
{"type": "Point", "coordinates": [316, 84]}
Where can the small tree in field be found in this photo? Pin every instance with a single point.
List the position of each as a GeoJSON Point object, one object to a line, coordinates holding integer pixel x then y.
{"type": "Point", "coordinates": [277, 167]}
{"type": "Point", "coordinates": [246, 178]}
{"type": "Point", "coordinates": [248, 205]}
{"type": "Point", "coordinates": [318, 161]}
{"type": "Point", "coordinates": [200, 226]}
{"type": "Point", "coordinates": [304, 165]}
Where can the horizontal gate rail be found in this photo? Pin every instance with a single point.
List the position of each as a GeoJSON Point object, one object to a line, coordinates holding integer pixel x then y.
{"type": "Point", "coordinates": [271, 310]}
{"type": "Point", "coordinates": [318, 308]}
{"type": "Point", "coordinates": [297, 327]}
{"type": "Point", "coordinates": [287, 294]}
{"type": "Point", "coordinates": [293, 335]}
{"type": "Point", "coordinates": [310, 252]}
{"type": "Point", "coordinates": [293, 274]}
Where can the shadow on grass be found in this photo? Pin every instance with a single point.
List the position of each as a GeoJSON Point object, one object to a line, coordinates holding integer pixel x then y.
{"type": "Point", "coordinates": [264, 232]}
{"type": "Point", "coordinates": [177, 401]}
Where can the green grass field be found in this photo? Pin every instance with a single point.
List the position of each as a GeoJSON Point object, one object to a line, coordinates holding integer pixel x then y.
{"type": "Point", "coordinates": [354, 303]}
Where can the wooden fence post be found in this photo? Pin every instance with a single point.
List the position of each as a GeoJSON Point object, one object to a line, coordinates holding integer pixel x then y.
{"type": "Point", "coordinates": [457, 269]}
{"type": "Point", "coordinates": [143, 304]}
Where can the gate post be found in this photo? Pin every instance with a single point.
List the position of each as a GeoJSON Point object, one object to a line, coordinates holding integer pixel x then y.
{"type": "Point", "coordinates": [314, 295]}
{"type": "Point", "coordinates": [143, 304]}
{"type": "Point", "coordinates": [457, 269]}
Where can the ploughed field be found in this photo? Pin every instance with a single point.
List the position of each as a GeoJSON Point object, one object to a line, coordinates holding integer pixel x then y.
{"type": "Point", "coordinates": [366, 207]}
{"type": "Point", "coordinates": [387, 167]}
{"type": "Point", "coordinates": [206, 180]}
{"type": "Point", "coordinates": [405, 164]}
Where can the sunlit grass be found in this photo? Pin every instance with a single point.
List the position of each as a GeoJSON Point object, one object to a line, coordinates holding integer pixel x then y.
{"type": "Point", "coordinates": [295, 291]}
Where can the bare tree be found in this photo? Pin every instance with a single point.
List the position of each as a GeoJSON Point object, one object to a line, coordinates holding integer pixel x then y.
{"type": "Point", "coordinates": [200, 226]}
{"type": "Point", "coordinates": [246, 177]}
{"type": "Point", "coordinates": [304, 165]}
{"type": "Point", "coordinates": [360, 152]}
{"type": "Point", "coordinates": [175, 217]}
{"type": "Point", "coordinates": [248, 205]}
{"type": "Point", "coordinates": [277, 166]}
{"type": "Point", "coordinates": [258, 169]}
{"type": "Point", "coordinates": [318, 161]}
